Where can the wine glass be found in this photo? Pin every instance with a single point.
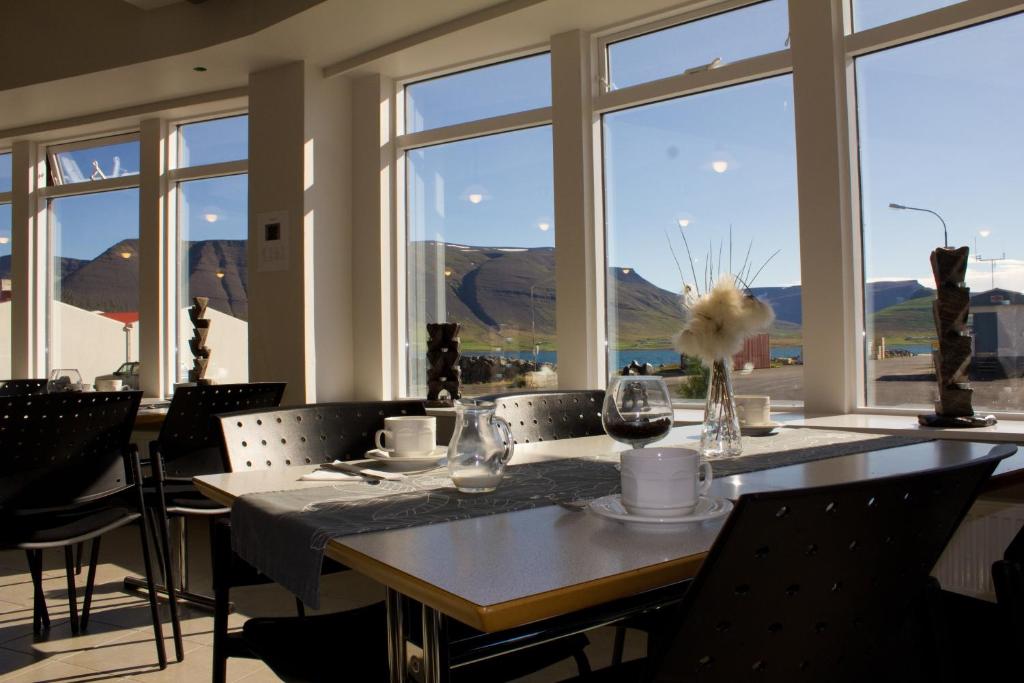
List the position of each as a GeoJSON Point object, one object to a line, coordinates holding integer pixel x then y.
{"type": "Point", "coordinates": [637, 409]}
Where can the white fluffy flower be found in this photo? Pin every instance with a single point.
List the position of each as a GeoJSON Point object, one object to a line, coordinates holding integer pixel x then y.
{"type": "Point", "coordinates": [718, 322]}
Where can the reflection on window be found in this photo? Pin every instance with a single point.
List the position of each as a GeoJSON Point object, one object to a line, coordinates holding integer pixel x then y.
{"type": "Point", "coordinates": [80, 164]}
{"type": "Point", "coordinates": [480, 252]}
{"type": "Point", "coordinates": [940, 130]}
{"type": "Point", "coordinates": [506, 88]}
{"type": "Point", "coordinates": [5, 290]}
{"type": "Point", "coordinates": [94, 280]}
{"type": "Point", "coordinates": [212, 233]}
{"type": "Point", "coordinates": [214, 141]}
{"type": "Point", "coordinates": [870, 13]}
{"type": "Point", "coordinates": [5, 172]}
{"type": "Point", "coordinates": [710, 42]}
{"type": "Point", "coordinates": [704, 165]}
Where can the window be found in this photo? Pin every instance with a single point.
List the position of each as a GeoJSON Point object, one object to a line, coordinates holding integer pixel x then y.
{"type": "Point", "coordinates": [719, 168]}
{"type": "Point", "coordinates": [215, 141]}
{"type": "Point", "coordinates": [91, 161]}
{"type": "Point", "coordinates": [939, 131]}
{"type": "Point", "coordinates": [213, 231]}
{"type": "Point", "coordinates": [481, 252]}
{"type": "Point", "coordinates": [708, 42]}
{"type": "Point", "coordinates": [870, 13]}
{"type": "Point", "coordinates": [5, 173]}
{"type": "Point", "coordinates": [93, 319]}
{"type": "Point", "coordinates": [506, 88]}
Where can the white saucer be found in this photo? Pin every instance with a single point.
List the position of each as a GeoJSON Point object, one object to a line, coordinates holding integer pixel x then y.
{"type": "Point", "coordinates": [409, 461]}
{"type": "Point", "coordinates": [759, 430]}
{"type": "Point", "coordinates": [611, 507]}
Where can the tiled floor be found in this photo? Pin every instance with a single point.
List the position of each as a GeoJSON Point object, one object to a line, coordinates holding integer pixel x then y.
{"type": "Point", "coordinates": [118, 645]}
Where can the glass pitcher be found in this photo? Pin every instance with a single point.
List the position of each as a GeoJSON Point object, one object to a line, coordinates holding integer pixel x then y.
{"type": "Point", "coordinates": [480, 448]}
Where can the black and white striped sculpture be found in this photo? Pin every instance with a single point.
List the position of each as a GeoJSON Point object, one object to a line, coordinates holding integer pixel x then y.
{"type": "Point", "coordinates": [201, 330]}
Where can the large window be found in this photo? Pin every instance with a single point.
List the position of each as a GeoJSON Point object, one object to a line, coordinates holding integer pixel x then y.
{"type": "Point", "coordinates": [697, 187]}
{"type": "Point", "coordinates": [870, 13]}
{"type": "Point", "coordinates": [5, 266]}
{"type": "Point", "coordinates": [480, 246]}
{"type": "Point", "coordinates": [940, 135]}
{"type": "Point", "coordinates": [212, 245]}
{"type": "Point", "coordinates": [93, 318]}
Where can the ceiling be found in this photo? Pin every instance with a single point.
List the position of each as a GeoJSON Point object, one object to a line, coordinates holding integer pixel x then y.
{"type": "Point", "coordinates": [325, 33]}
{"type": "Point", "coordinates": [151, 4]}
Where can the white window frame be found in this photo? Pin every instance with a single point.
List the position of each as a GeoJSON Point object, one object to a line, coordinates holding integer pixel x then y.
{"type": "Point", "coordinates": [407, 142]}
{"type": "Point", "coordinates": [937, 22]}
{"type": "Point", "coordinates": [605, 100]}
{"type": "Point", "coordinates": [45, 194]}
{"type": "Point", "coordinates": [175, 176]}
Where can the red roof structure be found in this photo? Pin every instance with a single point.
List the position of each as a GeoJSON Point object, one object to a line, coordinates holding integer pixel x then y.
{"type": "Point", "coordinates": [125, 317]}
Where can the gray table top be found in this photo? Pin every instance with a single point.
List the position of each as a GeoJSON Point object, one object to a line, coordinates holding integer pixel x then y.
{"type": "Point", "coordinates": [504, 570]}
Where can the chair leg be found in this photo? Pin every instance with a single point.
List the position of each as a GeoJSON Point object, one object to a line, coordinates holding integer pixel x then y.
{"type": "Point", "coordinates": [619, 647]}
{"type": "Point", "coordinates": [158, 551]}
{"type": "Point", "coordinates": [69, 563]}
{"type": "Point", "coordinates": [169, 583]}
{"type": "Point", "coordinates": [582, 663]}
{"type": "Point", "coordinates": [158, 631]}
{"type": "Point", "coordinates": [40, 616]}
{"type": "Point", "coordinates": [300, 609]}
{"type": "Point", "coordinates": [220, 557]}
{"type": "Point", "coordinates": [94, 556]}
{"type": "Point", "coordinates": [79, 552]}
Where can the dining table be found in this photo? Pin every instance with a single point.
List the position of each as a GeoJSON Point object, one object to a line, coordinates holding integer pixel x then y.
{"type": "Point", "coordinates": [504, 571]}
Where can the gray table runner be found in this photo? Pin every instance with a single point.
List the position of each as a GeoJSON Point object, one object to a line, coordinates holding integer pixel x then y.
{"type": "Point", "coordinates": [283, 534]}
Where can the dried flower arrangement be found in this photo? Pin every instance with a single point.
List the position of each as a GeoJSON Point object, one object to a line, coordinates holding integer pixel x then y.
{"type": "Point", "coordinates": [717, 320]}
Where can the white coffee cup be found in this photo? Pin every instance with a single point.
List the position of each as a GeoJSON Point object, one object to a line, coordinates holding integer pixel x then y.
{"type": "Point", "coordinates": [753, 410]}
{"type": "Point", "coordinates": [407, 435]}
{"type": "Point", "coordinates": [109, 385]}
{"type": "Point", "coordinates": [663, 482]}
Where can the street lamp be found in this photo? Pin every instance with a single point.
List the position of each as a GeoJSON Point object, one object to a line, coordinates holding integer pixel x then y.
{"type": "Point", "coordinates": [945, 232]}
{"type": "Point", "coordinates": [533, 326]}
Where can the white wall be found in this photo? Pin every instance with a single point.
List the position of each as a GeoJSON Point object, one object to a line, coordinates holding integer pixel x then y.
{"type": "Point", "coordinates": [5, 340]}
{"type": "Point", "coordinates": [90, 343]}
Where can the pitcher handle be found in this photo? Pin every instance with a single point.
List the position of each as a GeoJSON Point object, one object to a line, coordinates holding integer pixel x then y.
{"type": "Point", "coordinates": [509, 443]}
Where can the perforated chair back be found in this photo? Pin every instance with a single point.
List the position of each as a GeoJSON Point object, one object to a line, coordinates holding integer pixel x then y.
{"type": "Point", "coordinates": [313, 434]}
{"type": "Point", "coordinates": [813, 584]}
{"type": "Point", "coordinates": [22, 387]}
{"type": "Point", "coordinates": [550, 415]}
{"type": "Point", "coordinates": [189, 440]}
{"type": "Point", "coordinates": [58, 450]}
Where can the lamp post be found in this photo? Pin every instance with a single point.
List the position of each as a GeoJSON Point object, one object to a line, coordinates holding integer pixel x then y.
{"type": "Point", "coordinates": [533, 327]}
{"type": "Point", "coordinates": [945, 232]}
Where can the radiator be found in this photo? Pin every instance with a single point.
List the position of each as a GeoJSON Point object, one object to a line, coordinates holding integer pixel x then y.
{"type": "Point", "coordinates": [966, 565]}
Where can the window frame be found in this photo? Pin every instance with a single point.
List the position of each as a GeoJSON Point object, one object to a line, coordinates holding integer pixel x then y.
{"type": "Point", "coordinates": [930, 24]}
{"type": "Point", "coordinates": [176, 175]}
{"type": "Point", "coordinates": [404, 143]}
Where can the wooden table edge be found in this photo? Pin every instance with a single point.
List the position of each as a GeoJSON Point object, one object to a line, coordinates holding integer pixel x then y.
{"type": "Point", "coordinates": [512, 613]}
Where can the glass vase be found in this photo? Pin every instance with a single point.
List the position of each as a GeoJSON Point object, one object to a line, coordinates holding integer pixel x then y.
{"type": "Point", "coordinates": [720, 433]}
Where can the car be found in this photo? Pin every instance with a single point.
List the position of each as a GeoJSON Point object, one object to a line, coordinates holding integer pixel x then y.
{"type": "Point", "coordinates": [128, 373]}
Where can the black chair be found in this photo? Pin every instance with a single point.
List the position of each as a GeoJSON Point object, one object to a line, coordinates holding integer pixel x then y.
{"type": "Point", "coordinates": [22, 387]}
{"type": "Point", "coordinates": [189, 444]}
{"type": "Point", "coordinates": [550, 415]}
{"type": "Point", "coordinates": [819, 584]}
{"type": "Point", "coordinates": [317, 434]}
{"type": "Point", "coordinates": [1008, 578]}
{"type": "Point", "coordinates": [69, 475]}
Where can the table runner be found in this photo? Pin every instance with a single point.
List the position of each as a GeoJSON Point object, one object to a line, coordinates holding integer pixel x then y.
{"type": "Point", "coordinates": [283, 534]}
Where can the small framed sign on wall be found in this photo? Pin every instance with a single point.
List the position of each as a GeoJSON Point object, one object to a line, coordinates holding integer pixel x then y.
{"type": "Point", "coordinates": [273, 236]}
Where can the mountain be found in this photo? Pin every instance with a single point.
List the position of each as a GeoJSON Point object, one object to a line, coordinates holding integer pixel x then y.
{"type": "Point", "coordinates": [67, 266]}
{"type": "Point", "coordinates": [110, 282]}
{"type": "Point", "coordinates": [878, 296]}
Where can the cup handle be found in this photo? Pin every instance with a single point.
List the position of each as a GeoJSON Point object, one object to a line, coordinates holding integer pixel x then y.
{"type": "Point", "coordinates": [509, 442]}
{"type": "Point", "coordinates": [705, 467]}
{"type": "Point", "coordinates": [379, 441]}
